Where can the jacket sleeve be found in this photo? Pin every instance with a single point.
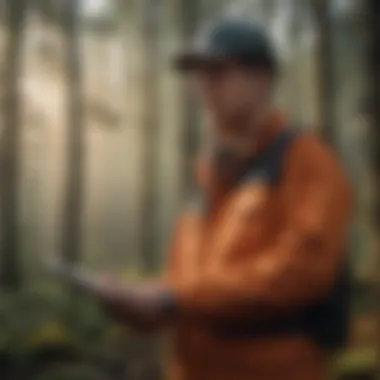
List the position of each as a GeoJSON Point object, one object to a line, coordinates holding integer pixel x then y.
{"type": "Point", "coordinates": [300, 261]}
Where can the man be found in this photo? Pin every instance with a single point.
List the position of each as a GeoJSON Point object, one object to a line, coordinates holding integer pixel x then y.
{"type": "Point", "coordinates": [254, 286]}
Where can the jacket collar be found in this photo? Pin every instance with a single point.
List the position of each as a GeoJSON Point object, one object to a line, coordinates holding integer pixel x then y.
{"type": "Point", "coordinates": [206, 175]}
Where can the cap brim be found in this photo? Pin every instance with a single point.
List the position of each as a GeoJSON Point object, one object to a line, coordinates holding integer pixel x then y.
{"type": "Point", "coordinates": [190, 61]}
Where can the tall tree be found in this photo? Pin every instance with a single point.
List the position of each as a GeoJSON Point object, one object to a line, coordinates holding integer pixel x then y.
{"type": "Point", "coordinates": [47, 9]}
{"type": "Point", "coordinates": [373, 16]}
{"type": "Point", "coordinates": [147, 15]}
{"type": "Point", "coordinates": [73, 202]}
{"type": "Point", "coordinates": [10, 148]}
{"type": "Point", "coordinates": [325, 74]}
{"type": "Point", "coordinates": [190, 20]}
{"type": "Point", "coordinates": [297, 9]}
{"type": "Point", "coordinates": [268, 8]}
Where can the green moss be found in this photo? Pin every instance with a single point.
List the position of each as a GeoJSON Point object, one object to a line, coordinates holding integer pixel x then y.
{"type": "Point", "coordinates": [73, 372]}
{"type": "Point", "coordinates": [355, 361]}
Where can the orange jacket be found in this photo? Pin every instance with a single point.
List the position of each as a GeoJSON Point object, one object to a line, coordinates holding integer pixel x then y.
{"type": "Point", "coordinates": [259, 252]}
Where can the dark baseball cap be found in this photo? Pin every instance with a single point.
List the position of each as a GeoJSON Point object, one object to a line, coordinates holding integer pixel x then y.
{"type": "Point", "coordinates": [237, 41]}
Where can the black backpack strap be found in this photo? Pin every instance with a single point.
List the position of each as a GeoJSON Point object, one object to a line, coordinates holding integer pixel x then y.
{"type": "Point", "coordinates": [268, 166]}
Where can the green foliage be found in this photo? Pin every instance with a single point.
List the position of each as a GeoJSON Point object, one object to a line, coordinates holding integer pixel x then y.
{"type": "Point", "coordinates": [39, 328]}
{"type": "Point", "coordinates": [72, 372]}
{"type": "Point", "coordinates": [48, 333]}
{"type": "Point", "coordinates": [355, 364]}
{"type": "Point", "coordinates": [363, 298]}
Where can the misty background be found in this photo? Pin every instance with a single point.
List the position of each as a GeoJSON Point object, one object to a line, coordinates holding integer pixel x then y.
{"type": "Point", "coordinates": [98, 138]}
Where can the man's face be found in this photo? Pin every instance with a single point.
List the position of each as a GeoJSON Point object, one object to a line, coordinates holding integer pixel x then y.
{"type": "Point", "coordinates": [230, 91]}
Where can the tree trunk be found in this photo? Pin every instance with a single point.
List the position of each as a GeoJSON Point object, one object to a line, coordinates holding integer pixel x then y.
{"type": "Point", "coordinates": [325, 72]}
{"type": "Point", "coordinates": [268, 8]}
{"type": "Point", "coordinates": [190, 16]}
{"type": "Point", "coordinates": [373, 22]}
{"type": "Point", "coordinates": [10, 151]}
{"type": "Point", "coordinates": [148, 12]}
{"type": "Point", "coordinates": [297, 61]}
{"type": "Point", "coordinates": [73, 202]}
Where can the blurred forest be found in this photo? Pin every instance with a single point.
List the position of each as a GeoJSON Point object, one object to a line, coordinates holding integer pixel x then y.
{"type": "Point", "coordinates": [97, 143]}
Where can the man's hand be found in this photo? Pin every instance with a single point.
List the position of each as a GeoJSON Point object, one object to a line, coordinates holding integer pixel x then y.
{"type": "Point", "coordinates": [142, 307]}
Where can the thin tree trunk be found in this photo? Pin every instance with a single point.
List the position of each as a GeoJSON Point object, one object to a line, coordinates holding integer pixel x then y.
{"type": "Point", "coordinates": [10, 267]}
{"type": "Point", "coordinates": [73, 202]}
{"type": "Point", "coordinates": [325, 73]}
{"type": "Point", "coordinates": [373, 22]}
{"type": "Point", "coordinates": [297, 61]}
{"type": "Point", "coordinates": [190, 16]}
{"type": "Point", "coordinates": [149, 16]}
{"type": "Point", "coordinates": [268, 8]}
